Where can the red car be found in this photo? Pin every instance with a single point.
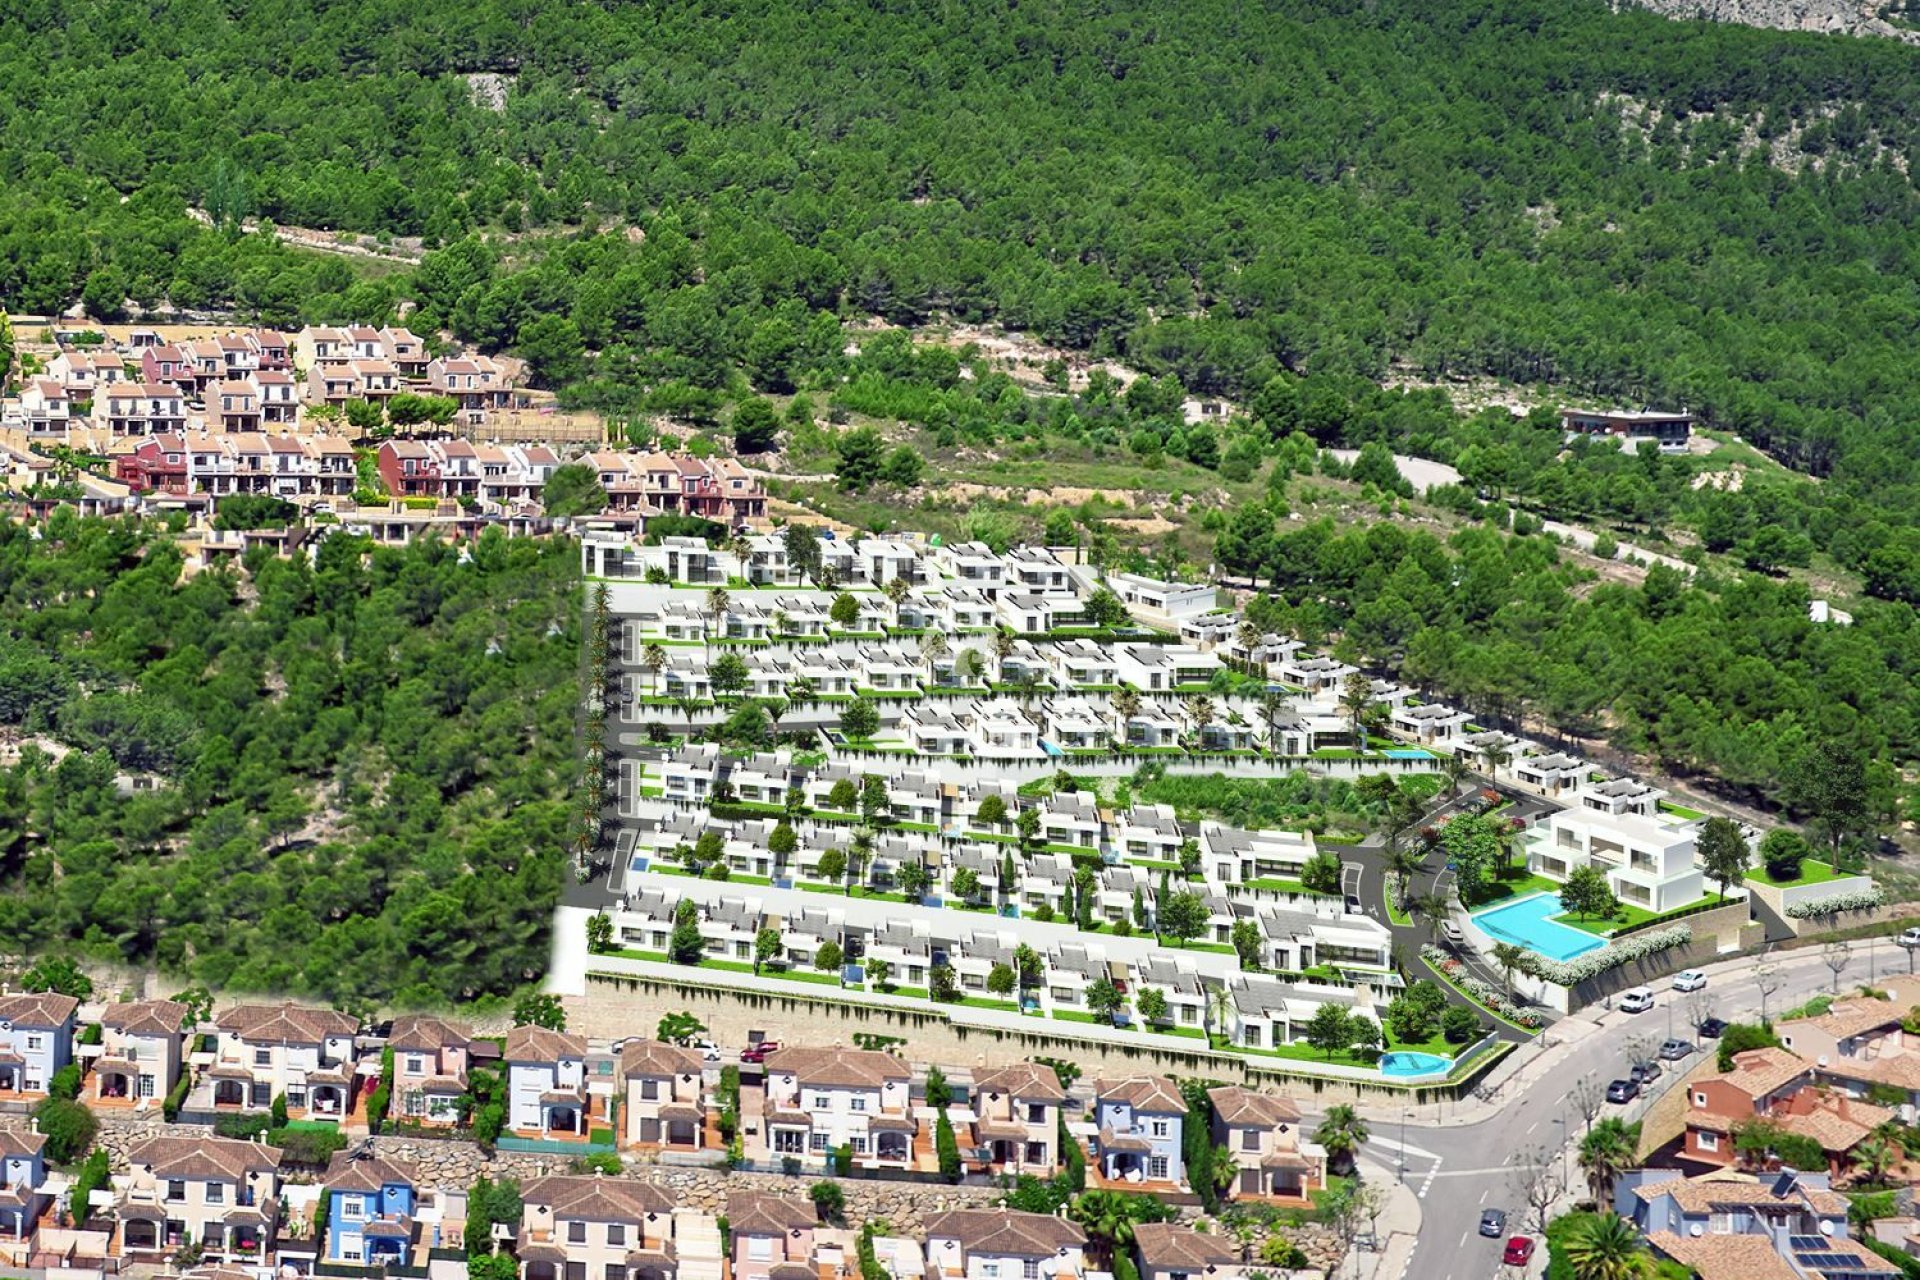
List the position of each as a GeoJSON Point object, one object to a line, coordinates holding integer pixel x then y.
{"type": "Point", "coordinates": [1519, 1251]}
{"type": "Point", "coordinates": [758, 1052]}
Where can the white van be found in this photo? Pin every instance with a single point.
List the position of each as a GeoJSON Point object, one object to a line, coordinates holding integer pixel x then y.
{"type": "Point", "coordinates": [1638, 1000]}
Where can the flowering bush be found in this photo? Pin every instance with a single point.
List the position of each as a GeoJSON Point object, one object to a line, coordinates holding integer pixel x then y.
{"type": "Point", "coordinates": [1612, 956]}
{"type": "Point", "coordinates": [1849, 900]}
{"type": "Point", "coordinates": [1484, 992]}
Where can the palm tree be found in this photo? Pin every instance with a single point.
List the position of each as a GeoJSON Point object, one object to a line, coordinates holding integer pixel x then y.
{"type": "Point", "coordinates": [782, 622]}
{"type": "Point", "coordinates": [1274, 706]}
{"type": "Point", "coordinates": [1108, 1218]}
{"type": "Point", "coordinates": [1341, 1133]}
{"type": "Point", "coordinates": [742, 552]}
{"type": "Point", "coordinates": [1126, 705]}
{"type": "Point", "coordinates": [859, 849]}
{"type": "Point", "coordinates": [1606, 1246]}
{"type": "Point", "coordinates": [1219, 1004]}
{"type": "Point", "coordinates": [933, 647]}
{"type": "Point", "coordinates": [1493, 755]}
{"type": "Point", "coordinates": [654, 659]}
{"type": "Point", "coordinates": [898, 589]}
{"type": "Point", "coordinates": [1875, 1155]}
{"type": "Point", "coordinates": [1430, 907]}
{"type": "Point", "coordinates": [1247, 636]}
{"type": "Point", "coordinates": [718, 602]}
{"type": "Point", "coordinates": [968, 666]}
{"type": "Point", "coordinates": [1455, 767]}
{"type": "Point", "coordinates": [1200, 710]}
{"type": "Point", "coordinates": [1507, 958]}
{"type": "Point", "coordinates": [1002, 650]}
{"type": "Point", "coordinates": [1406, 861]}
{"type": "Point", "coordinates": [1606, 1151]}
{"type": "Point", "coordinates": [1355, 697]}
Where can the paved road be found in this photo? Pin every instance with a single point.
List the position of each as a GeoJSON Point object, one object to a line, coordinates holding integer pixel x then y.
{"type": "Point", "coordinates": [1459, 1157]}
{"type": "Point", "coordinates": [1366, 878]}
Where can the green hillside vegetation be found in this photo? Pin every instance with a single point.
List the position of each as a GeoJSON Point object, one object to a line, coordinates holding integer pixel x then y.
{"type": "Point", "coordinates": [362, 772]}
{"type": "Point", "coordinates": [1533, 189]}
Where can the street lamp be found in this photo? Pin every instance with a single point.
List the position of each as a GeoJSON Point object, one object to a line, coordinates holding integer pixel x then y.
{"type": "Point", "coordinates": [1403, 1144]}
{"type": "Point", "coordinates": [1565, 1141]}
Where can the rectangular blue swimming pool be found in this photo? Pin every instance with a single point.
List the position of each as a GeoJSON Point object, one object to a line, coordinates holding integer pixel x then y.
{"type": "Point", "coordinates": [1525, 924]}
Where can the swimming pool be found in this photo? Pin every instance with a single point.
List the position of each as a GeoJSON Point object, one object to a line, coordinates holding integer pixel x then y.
{"type": "Point", "coordinates": [1407, 753]}
{"type": "Point", "coordinates": [1525, 924]}
{"type": "Point", "coordinates": [1406, 1062]}
{"type": "Point", "coordinates": [1050, 748]}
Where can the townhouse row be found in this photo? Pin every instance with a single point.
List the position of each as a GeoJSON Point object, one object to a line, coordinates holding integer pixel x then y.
{"type": "Point", "coordinates": [249, 381]}
{"type": "Point", "coordinates": [243, 1211]}
{"type": "Point", "coordinates": [1300, 961]}
{"type": "Point", "coordinates": [934, 820]}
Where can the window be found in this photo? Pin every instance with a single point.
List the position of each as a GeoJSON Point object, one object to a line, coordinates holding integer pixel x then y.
{"type": "Point", "coordinates": [759, 1249]}
{"type": "Point", "coordinates": [416, 1065]}
{"type": "Point", "coordinates": [1159, 1128]}
{"type": "Point", "coordinates": [1036, 1113]}
{"type": "Point", "coordinates": [615, 1271]}
{"type": "Point", "coordinates": [1157, 1167]}
{"type": "Point", "coordinates": [616, 1233]}
{"type": "Point", "coordinates": [989, 1271]}
{"type": "Point", "coordinates": [1250, 1140]}
{"type": "Point", "coordinates": [1030, 1269]}
{"type": "Point", "coordinates": [36, 1042]}
{"type": "Point", "coordinates": [816, 1141]}
{"type": "Point", "coordinates": [576, 1233]}
{"type": "Point", "coordinates": [857, 1102]}
{"type": "Point", "coordinates": [650, 1090]}
{"type": "Point", "coordinates": [352, 1208]}
{"type": "Point", "coordinates": [820, 1102]}
{"type": "Point", "coordinates": [144, 1087]}
{"type": "Point", "coordinates": [263, 1057]}
{"type": "Point", "coordinates": [176, 1189]}
{"type": "Point", "coordinates": [216, 1193]}
{"type": "Point", "coordinates": [1699, 1099]}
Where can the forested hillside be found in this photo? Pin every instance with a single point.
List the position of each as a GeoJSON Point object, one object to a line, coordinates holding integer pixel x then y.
{"type": "Point", "coordinates": [1635, 208]}
{"type": "Point", "coordinates": [359, 772]}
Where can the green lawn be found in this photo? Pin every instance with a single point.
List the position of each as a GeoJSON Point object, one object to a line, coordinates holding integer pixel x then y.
{"type": "Point", "coordinates": [1811, 872]}
{"type": "Point", "coordinates": [1285, 884]}
{"type": "Point", "coordinates": [1513, 882]}
{"type": "Point", "coordinates": [988, 1002]}
{"type": "Point", "coordinates": [1185, 1033]}
{"type": "Point", "coordinates": [1152, 864]}
{"type": "Point", "coordinates": [802, 975]}
{"type": "Point", "coordinates": [1074, 1015]}
{"type": "Point", "coordinates": [1628, 916]}
{"type": "Point", "coordinates": [916, 993]}
{"type": "Point", "coordinates": [872, 895]}
{"type": "Point", "coordinates": [1681, 811]}
{"type": "Point", "coordinates": [1435, 1044]}
{"type": "Point", "coordinates": [1395, 914]}
{"type": "Point", "coordinates": [1218, 948]}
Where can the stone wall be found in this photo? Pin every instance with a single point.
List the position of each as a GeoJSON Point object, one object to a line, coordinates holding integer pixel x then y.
{"type": "Point", "coordinates": [619, 1006]}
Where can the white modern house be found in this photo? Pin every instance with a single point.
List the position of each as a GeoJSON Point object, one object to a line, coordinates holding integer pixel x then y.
{"type": "Point", "coordinates": [1648, 861]}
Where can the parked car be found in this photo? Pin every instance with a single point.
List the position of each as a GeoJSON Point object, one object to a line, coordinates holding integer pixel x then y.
{"type": "Point", "coordinates": [1451, 932]}
{"type": "Point", "coordinates": [1689, 980]}
{"type": "Point", "coordinates": [1519, 1251]}
{"type": "Point", "coordinates": [1622, 1091]}
{"type": "Point", "coordinates": [709, 1051]}
{"type": "Point", "coordinates": [1641, 1072]}
{"type": "Point", "coordinates": [1674, 1050]}
{"type": "Point", "coordinates": [1711, 1028]}
{"type": "Point", "coordinates": [1909, 938]}
{"type": "Point", "coordinates": [1353, 906]}
{"type": "Point", "coordinates": [1638, 1000]}
{"type": "Point", "coordinates": [758, 1051]}
{"type": "Point", "coordinates": [1493, 1223]}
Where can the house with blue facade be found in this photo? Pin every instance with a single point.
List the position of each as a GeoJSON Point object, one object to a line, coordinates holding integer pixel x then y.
{"type": "Point", "coordinates": [372, 1205]}
{"type": "Point", "coordinates": [1139, 1130]}
{"type": "Point", "coordinates": [36, 1040]}
{"type": "Point", "coordinates": [23, 1171]}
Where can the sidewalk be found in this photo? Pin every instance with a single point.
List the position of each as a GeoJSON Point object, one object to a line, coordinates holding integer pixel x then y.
{"type": "Point", "coordinates": [1541, 1057]}
{"type": "Point", "coordinates": [1399, 1226]}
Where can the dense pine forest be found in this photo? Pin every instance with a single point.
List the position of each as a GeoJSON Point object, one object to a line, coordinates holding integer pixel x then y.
{"type": "Point", "coordinates": [1630, 207]}
{"type": "Point", "coordinates": [363, 764]}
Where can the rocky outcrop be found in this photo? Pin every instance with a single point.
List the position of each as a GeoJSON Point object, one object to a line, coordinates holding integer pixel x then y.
{"type": "Point", "coordinates": [1827, 17]}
